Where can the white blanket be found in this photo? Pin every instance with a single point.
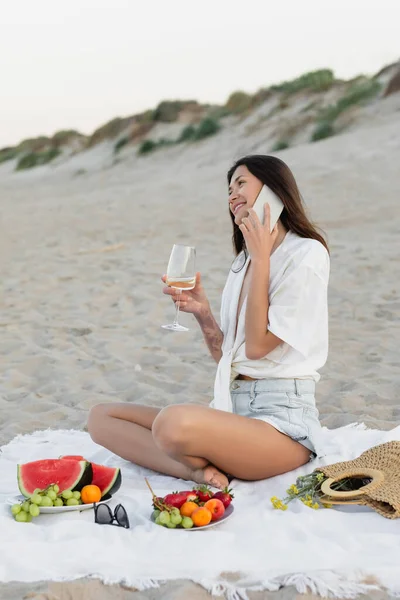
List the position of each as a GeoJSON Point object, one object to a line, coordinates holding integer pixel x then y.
{"type": "Point", "coordinates": [338, 552]}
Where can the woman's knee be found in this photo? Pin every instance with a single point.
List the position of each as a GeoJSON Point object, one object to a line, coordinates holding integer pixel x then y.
{"type": "Point", "coordinates": [171, 428]}
{"type": "Point", "coordinates": [95, 424]}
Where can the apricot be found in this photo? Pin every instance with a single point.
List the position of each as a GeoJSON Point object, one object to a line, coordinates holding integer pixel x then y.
{"type": "Point", "coordinates": [187, 508]}
{"type": "Point", "coordinates": [201, 516]}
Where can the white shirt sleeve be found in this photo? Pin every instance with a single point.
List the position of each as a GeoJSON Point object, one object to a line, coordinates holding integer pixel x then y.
{"type": "Point", "coordinates": [295, 307]}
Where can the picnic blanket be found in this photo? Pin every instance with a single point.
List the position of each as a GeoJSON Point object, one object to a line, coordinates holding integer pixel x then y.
{"type": "Point", "coordinates": [338, 552]}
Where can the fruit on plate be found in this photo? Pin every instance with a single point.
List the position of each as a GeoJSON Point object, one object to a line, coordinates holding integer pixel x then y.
{"type": "Point", "coordinates": [203, 493]}
{"type": "Point", "coordinates": [216, 508]}
{"type": "Point", "coordinates": [51, 496]}
{"type": "Point", "coordinates": [108, 479]}
{"type": "Point", "coordinates": [190, 514]}
{"type": "Point", "coordinates": [177, 499]}
{"type": "Point", "coordinates": [90, 493]}
{"type": "Point", "coordinates": [66, 474]}
{"type": "Point", "coordinates": [188, 508]}
{"type": "Point", "coordinates": [226, 496]}
{"type": "Point", "coordinates": [201, 516]}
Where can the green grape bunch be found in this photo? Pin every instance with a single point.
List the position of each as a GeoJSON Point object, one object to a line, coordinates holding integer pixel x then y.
{"type": "Point", "coordinates": [29, 508]}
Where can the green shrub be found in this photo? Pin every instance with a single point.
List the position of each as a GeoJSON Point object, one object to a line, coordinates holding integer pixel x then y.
{"type": "Point", "coordinates": [280, 145]}
{"type": "Point", "coordinates": [34, 144]}
{"type": "Point", "coordinates": [110, 130]}
{"type": "Point", "coordinates": [35, 159]}
{"type": "Point", "coordinates": [323, 130]}
{"type": "Point", "coordinates": [238, 102]}
{"type": "Point", "coordinates": [168, 110]}
{"type": "Point", "coordinates": [7, 154]}
{"type": "Point", "coordinates": [165, 142]}
{"type": "Point", "coordinates": [359, 93]}
{"type": "Point", "coordinates": [316, 81]}
{"type": "Point", "coordinates": [188, 133]}
{"type": "Point", "coordinates": [206, 128]}
{"type": "Point", "coordinates": [120, 144]}
{"type": "Point", "coordinates": [64, 136]}
{"type": "Point", "coordinates": [147, 146]}
{"type": "Point", "coordinates": [145, 117]}
{"type": "Point", "coordinates": [218, 112]}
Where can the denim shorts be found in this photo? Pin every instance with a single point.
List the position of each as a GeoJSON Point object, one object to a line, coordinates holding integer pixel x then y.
{"type": "Point", "coordinates": [286, 404]}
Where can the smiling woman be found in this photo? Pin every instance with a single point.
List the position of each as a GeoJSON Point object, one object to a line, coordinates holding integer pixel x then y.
{"type": "Point", "coordinates": [273, 339]}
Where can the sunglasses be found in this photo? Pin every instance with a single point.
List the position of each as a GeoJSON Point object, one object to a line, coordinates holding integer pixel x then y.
{"type": "Point", "coordinates": [104, 516]}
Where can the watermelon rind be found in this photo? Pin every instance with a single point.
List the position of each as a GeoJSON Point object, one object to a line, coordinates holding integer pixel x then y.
{"type": "Point", "coordinates": [108, 479]}
{"type": "Point", "coordinates": [42, 473]}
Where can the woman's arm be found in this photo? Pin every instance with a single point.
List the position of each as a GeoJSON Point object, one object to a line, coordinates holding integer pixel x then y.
{"type": "Point", "coordinates": [213, 335]}
{"type": "Point", "coordinates": [259, 341]}
{"type": "Point", "coordinates": [195, 302]}
{"type": "Point", "coordinates": [259, 241]}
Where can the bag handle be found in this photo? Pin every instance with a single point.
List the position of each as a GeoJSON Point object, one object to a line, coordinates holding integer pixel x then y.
{"type": "Point", "coordinates": [377, 479]}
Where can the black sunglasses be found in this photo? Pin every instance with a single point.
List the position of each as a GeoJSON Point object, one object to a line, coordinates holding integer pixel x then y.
{"type": "Point", "coordinates": [104, 516]}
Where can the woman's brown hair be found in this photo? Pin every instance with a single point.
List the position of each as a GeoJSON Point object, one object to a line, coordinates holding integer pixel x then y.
{"type": "Point", "coordinates": [275, 174]}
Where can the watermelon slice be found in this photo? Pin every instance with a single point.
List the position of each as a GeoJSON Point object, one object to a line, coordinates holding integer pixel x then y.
{"type": "Point", "coordinates": [108, 479]}
{"type": "Point", "coordinates": [67, 474]}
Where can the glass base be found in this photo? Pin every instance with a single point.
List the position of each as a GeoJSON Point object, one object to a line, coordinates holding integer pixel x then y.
{"type": "Point", "coordinates": [175, 327]}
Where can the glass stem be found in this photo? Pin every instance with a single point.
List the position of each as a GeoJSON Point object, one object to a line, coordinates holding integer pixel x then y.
{"type": "Point", "coordinates": [177, 308]}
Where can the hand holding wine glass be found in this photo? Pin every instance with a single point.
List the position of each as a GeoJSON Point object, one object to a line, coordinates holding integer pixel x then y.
{"type": "Point", "coordinates": [193, 301]}
{"type": "Point", "coordinates": [181, 275]}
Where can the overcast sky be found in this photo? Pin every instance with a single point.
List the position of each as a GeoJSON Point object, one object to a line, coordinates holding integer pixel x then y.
{"type": "Point", "coordinates": [78, 63]}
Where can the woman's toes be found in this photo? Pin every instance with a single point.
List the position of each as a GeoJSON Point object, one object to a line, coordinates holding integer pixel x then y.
{"type": "Point", "coordinates": [215, 478]}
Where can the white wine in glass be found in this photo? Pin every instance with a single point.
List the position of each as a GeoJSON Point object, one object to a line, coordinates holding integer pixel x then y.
{"type": "Point", "coordinates": [181, 275]}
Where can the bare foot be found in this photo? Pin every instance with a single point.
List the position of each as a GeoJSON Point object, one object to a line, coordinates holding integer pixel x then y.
{"type": "Point", "coordinates": [211, 476]}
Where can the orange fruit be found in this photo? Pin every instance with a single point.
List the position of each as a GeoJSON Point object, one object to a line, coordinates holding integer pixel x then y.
{"type": "Point", "coordinates": [90, 493]}
{"type": "Point", "coordinates": [201, 516]}
{"type": "Point", "coordinates": [188, 508]}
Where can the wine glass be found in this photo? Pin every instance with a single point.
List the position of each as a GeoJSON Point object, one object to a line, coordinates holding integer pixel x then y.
{"type": "Point", "coordinates": [181, 275]}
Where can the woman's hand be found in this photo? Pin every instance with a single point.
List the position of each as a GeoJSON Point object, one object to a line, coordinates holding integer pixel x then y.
{"type": "Point", "coordinates": [259, 240]}
{"type": "Point", "coordinates": [190, 301]}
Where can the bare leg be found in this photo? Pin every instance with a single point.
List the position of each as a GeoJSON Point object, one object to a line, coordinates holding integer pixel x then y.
{"type": "Point", "coordinates": [126, 430]}
{"type": "Point", "coordinates": [247, 448]}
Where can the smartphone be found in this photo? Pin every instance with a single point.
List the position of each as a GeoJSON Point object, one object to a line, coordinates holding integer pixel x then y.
{"type": "Point", "coordinates": [276, 206]}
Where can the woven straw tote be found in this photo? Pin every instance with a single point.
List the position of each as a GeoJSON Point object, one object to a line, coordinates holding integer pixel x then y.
{"type": "Point", "coordinates": [382, 465]}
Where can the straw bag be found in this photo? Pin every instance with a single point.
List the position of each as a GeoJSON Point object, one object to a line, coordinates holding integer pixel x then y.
{"type": "Point", "coordinates": [381, 466]}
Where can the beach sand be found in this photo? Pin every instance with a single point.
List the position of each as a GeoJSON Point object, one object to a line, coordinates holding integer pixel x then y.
{"type": "Point", "coordinates": [81, 258]}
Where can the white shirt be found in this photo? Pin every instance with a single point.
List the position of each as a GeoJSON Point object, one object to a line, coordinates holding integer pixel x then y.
{"type": "Point", "coordinates": [298, 315]}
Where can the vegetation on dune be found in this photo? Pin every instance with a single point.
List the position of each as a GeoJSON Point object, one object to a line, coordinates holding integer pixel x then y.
{"type": "Point", "coordinates": [34, 159]}
{"type": "Point", "coordinates": [7, 154]}
{"type": "Point", "coordinates": [168, 111]}
{"type": "Point", "coordinates": [110, 130]}
{"type": "Point", "coordinates": [314, 81]}
{"type": "Point", "coordinates": [187, 134]}
{"type": "Point", "coordinates": [206, 128]}
{"type": "Point", "coordinates": [147, 146]}
{"type": "Point", "coordinates": [280, 145]}
{"type": "Point", "coordinates": [359, 94]}
{"type": "Point", "coordinates": [63, 137]}
{"type": "Point", "coordinates": [204, 120]}
{"type": "Point", "coordinates": [239, 102]}
{"type": "Point", "coordinates": [38, 144]}
{"type": "Point", "coordinates": [120, 144]}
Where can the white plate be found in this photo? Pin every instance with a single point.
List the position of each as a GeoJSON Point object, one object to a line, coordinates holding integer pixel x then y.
{"type": "Point", "coordinates": [228, 513]}
{"type": "Point", "coordinates": [59, 509]}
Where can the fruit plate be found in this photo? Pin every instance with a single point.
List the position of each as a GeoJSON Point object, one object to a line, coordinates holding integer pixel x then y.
{"type": "Point", "coordinates": [59, 509]}
{"type": "Point", "coordinates": [228, 513]}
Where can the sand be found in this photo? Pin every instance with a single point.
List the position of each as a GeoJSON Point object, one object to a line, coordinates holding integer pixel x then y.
{"type": "Point", "coordinates": [81, 305]}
